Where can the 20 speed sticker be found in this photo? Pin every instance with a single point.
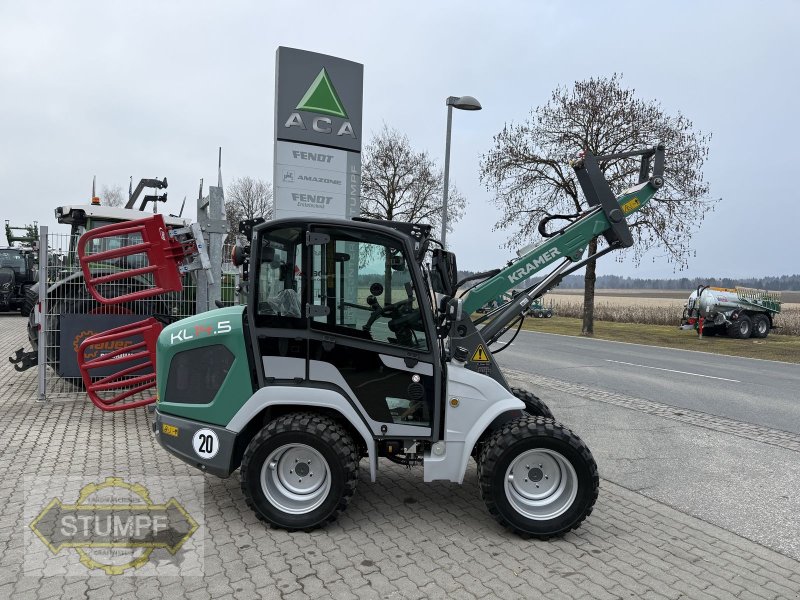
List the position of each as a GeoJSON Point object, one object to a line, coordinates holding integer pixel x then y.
{"type": "Point", "coordinates": [205, 443]}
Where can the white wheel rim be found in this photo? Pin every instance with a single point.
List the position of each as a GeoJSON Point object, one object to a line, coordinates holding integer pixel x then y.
{"type": "Point", "coordinates": [541, 484]}
{"type": "Point", "coordinates": [296, 479]}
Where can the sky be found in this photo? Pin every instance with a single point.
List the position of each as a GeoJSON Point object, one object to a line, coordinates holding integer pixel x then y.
{"type": "Point", "coordinates": [153, 88]}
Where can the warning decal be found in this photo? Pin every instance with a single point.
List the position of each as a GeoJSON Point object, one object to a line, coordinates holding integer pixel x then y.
{"type": "Point", "coordinates": [480, 355]}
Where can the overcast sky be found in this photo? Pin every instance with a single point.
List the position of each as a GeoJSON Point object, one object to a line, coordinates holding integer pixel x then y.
{"type": "Point", "coordinates": [151, 89]}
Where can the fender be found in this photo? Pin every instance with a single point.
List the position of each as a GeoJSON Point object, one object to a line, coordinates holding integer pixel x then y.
{"type": "Point", "coordinates": [277, 395]}
{"type": "Point", "coordinates": [474, 401]}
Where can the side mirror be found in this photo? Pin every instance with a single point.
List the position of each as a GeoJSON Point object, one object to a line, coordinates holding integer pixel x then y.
{"type": "Point", "coordinates": [444, 273]}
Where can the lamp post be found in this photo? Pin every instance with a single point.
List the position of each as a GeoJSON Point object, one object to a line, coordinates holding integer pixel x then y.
{"type": "Point", "coordinates": [462, 103]}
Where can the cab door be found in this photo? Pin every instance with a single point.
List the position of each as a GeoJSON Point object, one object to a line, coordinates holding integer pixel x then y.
{"type": "Point", "coordinates": [368, 335]}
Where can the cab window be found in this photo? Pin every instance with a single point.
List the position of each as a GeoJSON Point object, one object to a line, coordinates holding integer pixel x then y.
{"type": "Point", "coordinates": [279, 272]}
{"type": "Point", "coordinates": [364, 280]}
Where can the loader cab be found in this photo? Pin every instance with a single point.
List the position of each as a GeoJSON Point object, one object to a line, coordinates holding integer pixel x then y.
{"type": "Point", "coordinates": [344, 305]}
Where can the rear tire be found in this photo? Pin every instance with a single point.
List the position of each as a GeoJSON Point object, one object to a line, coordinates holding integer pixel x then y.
{"type": "Point", "coordinates": [761, 326]}
{"type": "Point", "coordinates": [268, 471]}
{"type": "Point", "coordinates": [533, 405]}
{"type": "Point", "coordinates": [741, 328]}
{"type": "Point", "coordinates": [537, 478]}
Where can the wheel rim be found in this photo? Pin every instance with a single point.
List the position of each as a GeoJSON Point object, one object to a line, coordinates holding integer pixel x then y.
{"type": "Point", "coordinates": [296, 479]}
{"type": "Point", "coordinates": [762, 326]}
{"type": "Point", "coordinates": [541, 484]}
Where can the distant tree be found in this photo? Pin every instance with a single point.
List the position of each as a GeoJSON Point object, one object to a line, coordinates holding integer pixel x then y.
{"type": "Point", "coordinates": [527, 169]}
{"type": "Point", "coordinates": [246, 198]}
{"type": "Point", "coordinates": [111, 195]}
{"type": "Point", "coordinates": [399, 183]}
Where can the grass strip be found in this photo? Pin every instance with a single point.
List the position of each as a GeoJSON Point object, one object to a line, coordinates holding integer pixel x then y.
{"type": "Point", "coordinates": [784, 348]}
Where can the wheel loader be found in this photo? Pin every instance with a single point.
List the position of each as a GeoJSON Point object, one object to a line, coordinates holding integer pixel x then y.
{"type": "Point", "coordinates": [319, 373]}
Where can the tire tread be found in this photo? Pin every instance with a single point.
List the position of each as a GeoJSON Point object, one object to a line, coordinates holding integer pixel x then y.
{"type": "Point", "coordinates": [329, 431]}
{"type": "Point", "coordinates": [515, 431]}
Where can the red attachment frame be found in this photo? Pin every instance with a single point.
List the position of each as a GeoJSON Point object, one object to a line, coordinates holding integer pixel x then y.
{"type": "Point", "coordinates": [140, 356]}
{"type": "Point", "coordinates": [164, 253]}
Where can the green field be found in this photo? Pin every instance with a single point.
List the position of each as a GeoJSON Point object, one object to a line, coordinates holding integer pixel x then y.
{"type": "Point", "coordinates": [775, 347]}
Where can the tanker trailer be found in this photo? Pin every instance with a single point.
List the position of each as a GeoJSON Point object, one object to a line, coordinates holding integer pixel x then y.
{"type": "Point", "coordinates": [739, 312]}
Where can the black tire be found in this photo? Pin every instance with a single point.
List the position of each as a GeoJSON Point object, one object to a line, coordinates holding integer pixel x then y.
{"type": "Point", "coordinates": [326, 437]}
{"type": "Point", "coordinates": [533, 405]}
{"type": "Point", "coordinates": [709, 331]}
{"type": "Point", "coordinates": [761, 326]}
{"type": "Point", "coordinates": [569, 462]}
{"type": "Point", "coordinates": [741, 328]}
{"type": "Point", "coordinates": [548, 314]}
{"type": "Point", "coordinates": [537, 313]}
{"type": "Point", "coordinates": [29, 300]}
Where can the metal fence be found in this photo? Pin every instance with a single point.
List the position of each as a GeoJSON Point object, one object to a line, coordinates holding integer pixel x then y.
{"type": "Point", "coordinates": [68, 313]}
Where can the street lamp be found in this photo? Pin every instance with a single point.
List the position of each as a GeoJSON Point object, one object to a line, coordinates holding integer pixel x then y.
{"type": "Point", "coordinates": [462, 103]}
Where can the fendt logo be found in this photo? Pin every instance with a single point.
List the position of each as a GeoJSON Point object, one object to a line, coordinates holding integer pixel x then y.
{"type": "Point", "coordinates": [311, 200]}
{"type": "Point", "coordinates": [321, 98]}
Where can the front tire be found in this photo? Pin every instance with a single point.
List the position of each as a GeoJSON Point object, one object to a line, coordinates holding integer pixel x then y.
{"type": "Point", "coordinates": [31, 297]}
{"type": "Point", "coordinates": [741, 328]}
{"type": "Point", "coordinates": [281, 463]}
{"type": "Point", "coordinates": [537, 478]}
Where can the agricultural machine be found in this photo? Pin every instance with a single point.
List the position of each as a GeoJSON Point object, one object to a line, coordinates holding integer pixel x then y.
{"type": "Point", "coordinates": [66, 285]}
{"type": "Point", "coordinates": [17, 266]}
{"type": "Point", "coordinates": [315, 373]}
{"type": "Point", "coordinates": [739, 312]}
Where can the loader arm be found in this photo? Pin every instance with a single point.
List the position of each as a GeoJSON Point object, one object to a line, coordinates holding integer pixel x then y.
{"type": "Point", "coordinates": [561, 251]}
{"type": "Point", "coordinates": [606, 216]}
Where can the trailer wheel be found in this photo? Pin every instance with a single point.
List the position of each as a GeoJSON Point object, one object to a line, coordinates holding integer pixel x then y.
{"type": "Point", "coordinates": [533, 405]}
{"type": "Point", "coordinates": [760, 326]}
{"type": "Point", "coordinates": [537, 478]}
{"type": "Point", "coordinates": [300, 471]}
{"type": "Point", "coordinates": [548, 314]}
{"type": "Point", "coordinates": [741, 328]}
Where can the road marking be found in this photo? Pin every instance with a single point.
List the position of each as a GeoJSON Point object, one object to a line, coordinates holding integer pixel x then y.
{"type": "Point", "coordinates": [619, 362]}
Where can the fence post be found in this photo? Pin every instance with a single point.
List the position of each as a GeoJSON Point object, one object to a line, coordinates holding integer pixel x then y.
{"type": "Point", "coordinates": [42, 311]}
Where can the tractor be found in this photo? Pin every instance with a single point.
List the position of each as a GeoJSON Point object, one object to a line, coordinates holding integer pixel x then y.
{"type": "Point", "coordinates": [316, 373]}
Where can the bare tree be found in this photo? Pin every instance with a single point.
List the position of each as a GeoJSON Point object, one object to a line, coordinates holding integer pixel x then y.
{"type": "Point", "coordinates": [111, 195]}
{"type": "Point", "coordinates": [246, 198]}
{"type": "Point", "coordinates": [399, 183]}
{"type": "Point", "coordinates": [528, 169]}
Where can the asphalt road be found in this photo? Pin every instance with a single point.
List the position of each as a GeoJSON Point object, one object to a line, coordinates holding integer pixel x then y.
{"type": "Point", "coordinates": [754, 391]}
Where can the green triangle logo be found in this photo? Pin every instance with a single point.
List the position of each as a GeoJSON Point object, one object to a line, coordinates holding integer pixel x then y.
{"type": "Point", "coordinates": [321, 97]}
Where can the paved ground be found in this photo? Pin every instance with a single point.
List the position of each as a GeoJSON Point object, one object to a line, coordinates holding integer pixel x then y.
{"type": "Point", "coordinates": [399, 539]}
{"type": "Point", "coordinates": [757, 391]}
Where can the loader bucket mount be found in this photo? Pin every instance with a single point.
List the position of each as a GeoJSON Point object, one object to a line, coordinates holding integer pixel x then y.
{"type": "Point", "coordinates": [142, 258]}
{"type": "Point", "coordinates": [133, 358]}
